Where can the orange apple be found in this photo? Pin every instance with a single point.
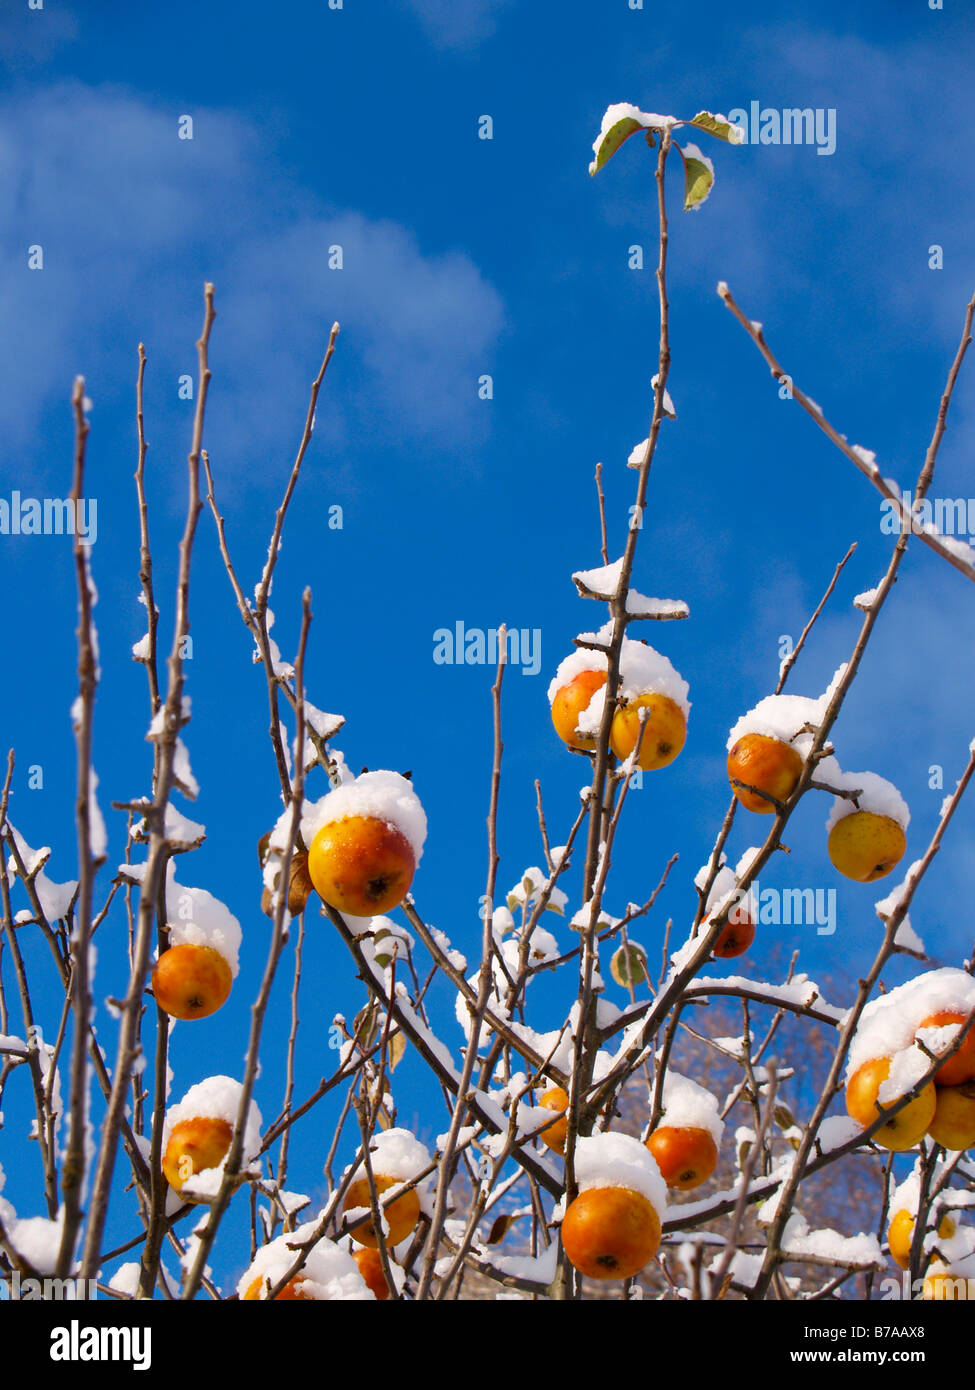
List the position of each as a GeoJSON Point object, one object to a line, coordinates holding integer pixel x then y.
{"type": "Point", "coordinates": [686, 1157]}
{"type": "Point", "coordinates": [361, 865]}
{"type": "Point", "coordinates": [371, 1268]}
{"type": "Point", "coordinates": [904, 1129]}
{"type": "Point", "coordinates": [292, 1291]}
{"type": "Point", "coordinates": [553, 1136]}
{"type": "Point", "coordinates": [768, 765]}
{"type": "Point", "coordinates": [864, 846]}
{"type": "Point", "coordinates": [194, 1145]}
{"type": "Point", "coordinates": [900, 1235]}
{"type": "Point", "coordinates": [569, 702]}
{"type": "Point", "coordinates": [736, 936]}
{"type": "Point", "coordinates": [954, 1117]}
{"type": "Point", "coordinates": [663, 735]}
{"type": "Point", "coordinates": [960, 1067]}
{"type": "Point", "coordinates": [191, 981]}
{"type": "Point", "coordinates": [610, 1232]}
{"type": "Point", "coordinates": [401, 1214]}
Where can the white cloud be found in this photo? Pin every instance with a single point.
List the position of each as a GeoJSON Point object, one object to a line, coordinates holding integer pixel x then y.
{"type": "Point", "coordinates": [459, 24]}
{"type": "Point", "coordinates": [133, 220]}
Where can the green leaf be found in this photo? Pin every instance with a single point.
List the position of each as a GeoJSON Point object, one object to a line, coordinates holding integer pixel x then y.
{"type": "Point", "coordinates": [620, 122]}
{"type": "Point", "coordinates": [698, 177]}
{"type": "Point", "coordinates": [608, 143]}
{"type": "Point", "coordinates": [719, 126]}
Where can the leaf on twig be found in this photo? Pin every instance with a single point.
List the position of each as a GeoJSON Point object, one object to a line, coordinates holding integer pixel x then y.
{"type": "Point", "coordinates": [620, 122]}
{"type": "Point", "coordinates": [719, 126]}
{"type": "Point", "coordinates": [397, 1046]}
{"type": "Point", "coordinates": [698, 177]}
{"type": "Point", "coordinates": [502, 1225]}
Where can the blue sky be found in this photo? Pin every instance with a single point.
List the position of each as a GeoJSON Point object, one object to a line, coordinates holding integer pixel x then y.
{"type": "Point", "coordinates": [462, 257]}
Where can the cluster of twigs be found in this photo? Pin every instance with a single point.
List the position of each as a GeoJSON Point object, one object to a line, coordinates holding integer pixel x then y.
{"type": "Point", "coordinates": [485, 1147]}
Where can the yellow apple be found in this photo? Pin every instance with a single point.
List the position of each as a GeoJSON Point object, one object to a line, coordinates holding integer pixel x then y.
{"type": "Point", "coordinates": [864, 846]}
{"type": "Point", "coordinates": [904, 1129]}
{"type": "Point", "coordinates": [665, 730]}
{"type": "Point", "coordinates": [361, 865]}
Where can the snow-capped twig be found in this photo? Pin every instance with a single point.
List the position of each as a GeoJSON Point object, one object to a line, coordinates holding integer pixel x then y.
{"type": "Point", "coordinates": [869, 468]}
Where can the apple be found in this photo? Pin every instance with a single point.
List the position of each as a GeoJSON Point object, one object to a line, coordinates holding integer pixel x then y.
{"type": "Point", "coordinates": [361, 865]}
{"type": "Point", "coordinates": [569, 702]}
{"type": "Point", "coordinates": [865, 846]}
{"type": "Point", "coordinates": [610, 1232]}
{"type": "Point", "coordinates": [904, 1129]}
{"type": "Point", "coordinates": [960, 1067]}
{"type": "Point", "coordinates": [191, 981]}
{"type": "Point", "coordinates": [768, 765]}
{"type": "Point", "coordinates": [193, 1146]}
{"type": "Point", "coordinates": [686, 1156]}
{"type": "Point", "coordinates": [664, 731]}
{"type": "Point", "coordinates": [401, 1214]}
{"type": "Point", "coordinates": [953, 1125]}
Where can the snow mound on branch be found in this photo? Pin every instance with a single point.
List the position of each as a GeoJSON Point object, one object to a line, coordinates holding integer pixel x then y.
{"type": "Point", "coordinates": [781, 717]}
{"type": "Point", "coordinates": [687, 1105]}
{"type": "Point", "coordinates": [395, 1153]}
{"type": "Point", "coordinates": [197, 918]}
{"type": "Point", "coordinates": [572, 666]}
{"type": "Point", "coordinates": [619, 1160]}
{"type": "Point", "coordinates": [327, 1274]}
{"type": "Point", "coordinates": [888, 1025]}
{"type": "Point", "coordinates": [876, 795]}
{"type": "Point", "coordinates": [216, 1098]}
{"type": "Point", "coordinates": [380, 795]}
{"type": "Point", "coordinates": [55, 898]}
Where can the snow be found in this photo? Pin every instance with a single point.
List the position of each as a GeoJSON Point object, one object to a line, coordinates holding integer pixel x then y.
{"type": "Point", "coordinates": [866, 600]}
{"type": "Point", "coordinates": [328, 1273]}
{"type": "Point", "coordinates": [197, 918]}
{"type": "Point", "coordinates": [381, 795]}
{"type": "Point", "coordinates": [37, 1240]}
{"type": "Point", "coordinates": [860, 1250]}
{"type": "Point", "coordinates": [878, 795]}
{"type": "Point", "coordinates": [687, 1105]}
{"type": "Point", "coordinates": [572, 666]}
{"type": "Point", "coordinates": [835, 1131]}
{"type": "Point", "coordinates": [889, 1023]}
{"type": "Point", "coordinates": [638, 454]}
{"type": "Point", "coordinates": [55, 898]}
{"type": "Point", "coordinates": [619, 1160]}
{"type": "Point", "coordinates": [141, 652]}
{"type": "Point", "coordinates": [183, 772]}
{"type": "Point", "coordinates": [395, 1153]}
{"type": "Point", "coordinates": [668, 403]}
{"type": "Point", "coordinates": [643, 671]}
{"type": "Point", "coordinates": [126, 1279]}
{"type": "Point", "coordinates": [218, 1098]}
{"type": "Point", "coordinates": [96, 823]}
{"type": "Point", "coordinates": [868, 457]}
{"type": "Point", "coordinates": [781, 717]}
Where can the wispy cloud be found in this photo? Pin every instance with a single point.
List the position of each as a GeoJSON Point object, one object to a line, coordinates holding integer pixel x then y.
{"type": "Point", "coordinates": [458, 24]}
{"type": "Point", "coordinates": [132, 220]}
